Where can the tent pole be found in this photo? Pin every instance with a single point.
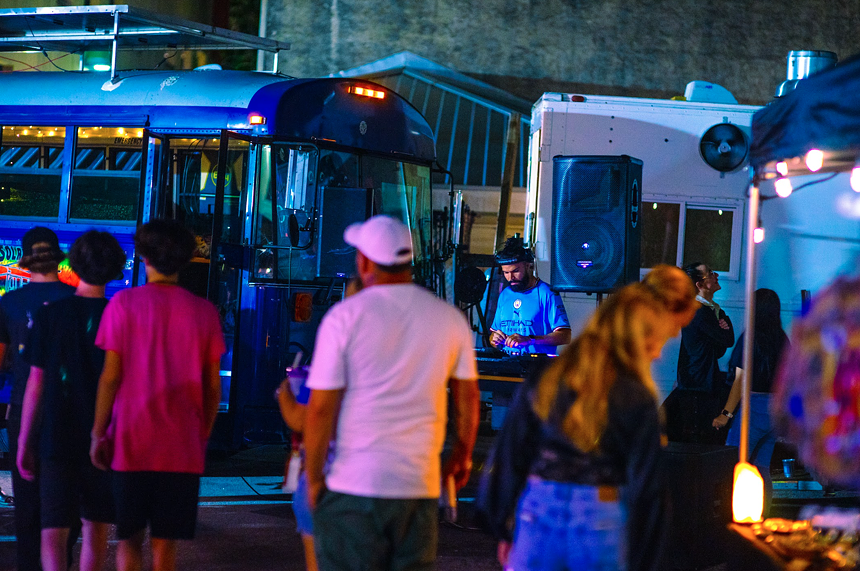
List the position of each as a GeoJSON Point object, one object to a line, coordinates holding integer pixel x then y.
{"type": "Point", "coordinates": [749, 319]}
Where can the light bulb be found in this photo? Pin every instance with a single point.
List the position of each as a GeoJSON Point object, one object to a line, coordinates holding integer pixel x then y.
{"type": "Point", "coordinates": [758, 235]}
{"type": "Point", "coordinates": [814, 160]}
{"type": "Point", "coordinates": [783, 187]}
{"type": "Point", "coordinates": [782, 168]}
{"type": "Point", "coordinates": [855, 179]}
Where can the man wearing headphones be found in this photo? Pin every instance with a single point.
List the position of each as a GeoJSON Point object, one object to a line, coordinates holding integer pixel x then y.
{"type": "Point", "coordinates": [530, 317]}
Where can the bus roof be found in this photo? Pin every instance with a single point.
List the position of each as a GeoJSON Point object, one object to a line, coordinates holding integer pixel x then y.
{"type": "Point", "coordinates": [308, 110]}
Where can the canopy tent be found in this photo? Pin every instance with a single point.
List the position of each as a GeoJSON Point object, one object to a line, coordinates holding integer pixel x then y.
{"type": "Point", "coordinates": [822, 113]}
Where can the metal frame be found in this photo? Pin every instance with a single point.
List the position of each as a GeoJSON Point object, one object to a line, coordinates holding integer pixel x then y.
{"type": "Point", "coordinates": [78, 28]}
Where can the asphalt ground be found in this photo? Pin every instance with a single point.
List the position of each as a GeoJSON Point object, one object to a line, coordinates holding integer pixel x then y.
{"type": "Point", "coordinates": [246, 523]}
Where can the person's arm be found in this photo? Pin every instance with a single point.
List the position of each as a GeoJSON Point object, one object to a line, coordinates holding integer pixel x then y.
{"type": "Point", "coordinates": [707, 328]}
{"type": "Point", "coordinates": [30, 414]}
{"type": "Point", "coordinates": [100, 448]}
{"type": "Point", "coordinates": [292, 412]}
{"type": "Point", "coordinates": [466, 400]}
{"type": "Point", "coordinates": [211, 394]}
{"type": "Point", "coordinates": [732, 401]}
{"type": "Point", "coordinates": [320, 420]}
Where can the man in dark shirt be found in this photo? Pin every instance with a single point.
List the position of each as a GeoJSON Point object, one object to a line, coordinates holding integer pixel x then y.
{"type": "Point", "coordinates": [59, 408]}
{"type": "Point", "coordinates": [41, 256]}
{"type": "Point", "coordinates": [699, 395]}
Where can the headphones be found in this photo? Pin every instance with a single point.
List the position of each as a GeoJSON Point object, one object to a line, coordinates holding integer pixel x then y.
{"type": "Point", "coordinates": [514, 252]}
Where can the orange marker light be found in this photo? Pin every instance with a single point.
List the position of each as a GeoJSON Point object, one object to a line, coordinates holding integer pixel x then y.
{"type": "Point", "coordinates": [256, 120]}
{"type": "Point", "coordinates": [366, 92]}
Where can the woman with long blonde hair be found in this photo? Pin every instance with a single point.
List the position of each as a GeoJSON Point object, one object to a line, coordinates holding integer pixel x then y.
{"type": "Point", "coordinates": [576, 462]}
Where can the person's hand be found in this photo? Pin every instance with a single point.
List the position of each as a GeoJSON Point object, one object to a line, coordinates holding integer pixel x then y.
{"type": "Point", "coordinates": [26, 463]}
{"type": "Point", "coordinates": [724, 324]}
{"type": "Point", "coordinates": [315, 491]}
{"type": "Point", "coordinates": [497, 339]}
{"type": "Point", "coordinates": [459, 466]}
{"type": "Point", "coordinates": [503, 550]}
{"type": "Point", "coordinates": [516, 340]}
{"type": "Point", "coordinates": [720, 422]}
{"type": "Point", "coordinates": [101, 452]}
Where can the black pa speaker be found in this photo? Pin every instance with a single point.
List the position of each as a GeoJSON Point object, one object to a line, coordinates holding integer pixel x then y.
{"type": "Point", "coordinates": [698, 478]}
{"type": "Point", "coordinates": [596, 222]}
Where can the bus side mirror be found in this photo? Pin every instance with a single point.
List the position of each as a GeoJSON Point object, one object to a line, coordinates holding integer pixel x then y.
{"type": "Point", "coordinates": [293, 229]}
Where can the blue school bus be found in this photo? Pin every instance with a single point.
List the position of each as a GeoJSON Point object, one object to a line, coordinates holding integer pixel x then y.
{"type": "Point", "coordinates": [266, 171]}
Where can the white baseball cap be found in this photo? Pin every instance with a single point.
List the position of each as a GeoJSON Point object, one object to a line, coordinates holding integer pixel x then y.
{"type": "Point", "coordinates": [382, 239]}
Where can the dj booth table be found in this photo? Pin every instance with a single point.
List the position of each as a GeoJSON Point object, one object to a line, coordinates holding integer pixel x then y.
{"type": "Point", "coordinates": [500, 375]}
{"type": "Point", "coordinates": [503, 374]}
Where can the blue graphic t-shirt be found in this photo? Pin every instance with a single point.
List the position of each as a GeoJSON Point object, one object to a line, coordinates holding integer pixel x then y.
{"type": "Point", "coordinates": [538, 311]}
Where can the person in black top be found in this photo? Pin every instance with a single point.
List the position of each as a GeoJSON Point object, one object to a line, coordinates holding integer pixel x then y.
{"type": "Point", "coordinates": [577, 460]}
{"type": "Point", "coordinates": [41, 255]}
{"type": "Point", "coordinates": [701, 385]}
{"type": "Point", "coordinates": [769, 343]}
{"type": "Point", "coordinates": [59, 408]}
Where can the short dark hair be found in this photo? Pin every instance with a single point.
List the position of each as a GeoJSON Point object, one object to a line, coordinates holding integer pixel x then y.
{"type": "Point", "coordinates": [97, 258]}
{"type": "Point", "coordinates": [694, 272]}
{"type": "Point", "coordinates": [166, 245]}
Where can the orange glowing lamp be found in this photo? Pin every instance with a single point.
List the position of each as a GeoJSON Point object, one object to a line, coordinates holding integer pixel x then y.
{"type": "Point", "coordinates": [748, 494]}
{"type": "Point", "coordinates": [366, 92]}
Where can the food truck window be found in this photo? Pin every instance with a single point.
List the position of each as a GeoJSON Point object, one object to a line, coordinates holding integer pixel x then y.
{"type": "Point", "coordinates": [677, 232]}
{"type": "Point", "coordinates": [106, 174]}
{"type": "Point", "coordinates": [31, 165]}
{"type": "Point", "coordinates": [708, 237]}
{"type": "Point", "coordinates": [659, 233]}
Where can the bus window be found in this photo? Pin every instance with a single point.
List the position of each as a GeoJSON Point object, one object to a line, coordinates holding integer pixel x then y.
{"type": "Point", "coordinates": [106, 174]}
{"type": "Point", "coordinates": [31, 169]}
{"type": "Point", "coordinates": [195, 181]}
{"type": "Point", "coordinates": [401, 190]}
{"type": "Point", "coordinates": [287, 187]}
{"type": "Point", "coordinates": [337, 169]}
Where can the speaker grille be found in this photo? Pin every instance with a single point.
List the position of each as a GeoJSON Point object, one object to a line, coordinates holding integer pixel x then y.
{"type": "Point", "coordinates": [595, 237]}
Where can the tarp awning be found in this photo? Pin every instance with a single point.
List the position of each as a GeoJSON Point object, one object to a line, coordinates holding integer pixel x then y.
{"type": "Point", "coordinates": [823, 112]}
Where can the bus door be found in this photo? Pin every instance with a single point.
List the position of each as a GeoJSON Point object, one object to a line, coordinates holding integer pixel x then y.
{"type": "Point", "coordinates": [151, 180]}
{"type": "Point", "coordinates": [234, 178]}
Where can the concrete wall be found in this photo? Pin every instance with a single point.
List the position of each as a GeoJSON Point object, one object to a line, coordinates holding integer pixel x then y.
{"type": "Point", "coordinates": [612, 47]}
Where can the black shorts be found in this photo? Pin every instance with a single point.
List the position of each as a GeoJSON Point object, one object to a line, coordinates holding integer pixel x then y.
{"type": "Point", "coordinates": [165, 501]}
{"type": "Point", "coordinates": [71, 490]}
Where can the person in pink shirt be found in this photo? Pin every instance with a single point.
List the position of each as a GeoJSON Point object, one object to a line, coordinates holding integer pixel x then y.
{"type": "Point", "coordinates": [157, 398]}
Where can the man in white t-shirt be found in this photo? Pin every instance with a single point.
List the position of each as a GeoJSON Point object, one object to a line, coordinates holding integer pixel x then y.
{"type": "Point", "coordinates": [383, 362]}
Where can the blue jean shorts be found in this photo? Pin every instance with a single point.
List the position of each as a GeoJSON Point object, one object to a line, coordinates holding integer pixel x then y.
{"type": "Point", "coordinates": [301, 507]}
{"type": "Point", "coordinates": [563, 526]}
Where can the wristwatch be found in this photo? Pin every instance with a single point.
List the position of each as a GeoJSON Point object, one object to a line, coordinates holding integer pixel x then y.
{"type": "Point", "coordinates": [727, 414]}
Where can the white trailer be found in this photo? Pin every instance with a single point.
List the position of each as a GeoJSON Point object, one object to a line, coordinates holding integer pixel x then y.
{"type": "Point", "coordinates": [690, 208]}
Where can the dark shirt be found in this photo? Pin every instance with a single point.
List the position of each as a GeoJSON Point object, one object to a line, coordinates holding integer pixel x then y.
{"type": "Point", "coordinates": [766, 353]}
{"type": "Point", "coordinates": [17, 309]}
{"type": "Point", "coordinates": [628, 456]}
{"type": "Point", "coordinates": [703, 342]}
{"type": "Point", "coordinates": [62, 344]}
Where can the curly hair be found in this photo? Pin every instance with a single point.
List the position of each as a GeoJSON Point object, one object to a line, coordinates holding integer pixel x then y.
{"type": "Point", "coordinates": [166, 245]}
{"type": "Point", "coordinates": [97, 257]}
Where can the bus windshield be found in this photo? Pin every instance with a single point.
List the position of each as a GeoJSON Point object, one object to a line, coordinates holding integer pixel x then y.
{"type": "Point", "coordinates": [319, 192]}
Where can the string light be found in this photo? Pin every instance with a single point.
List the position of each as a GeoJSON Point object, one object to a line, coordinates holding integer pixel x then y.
{"type": "Point", "coordinates": [783, 187]}
{"type": "Point", "coordinates": [814, 160]}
